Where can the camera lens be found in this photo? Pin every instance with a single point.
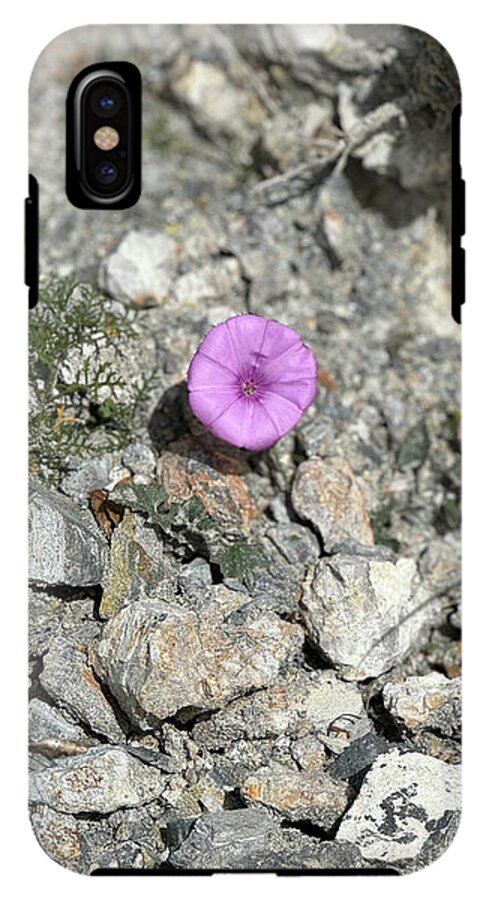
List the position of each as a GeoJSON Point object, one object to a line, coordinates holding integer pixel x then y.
{"type": "Point", "coordinates": [105, 100]}
{"type": "Point", "coordinates": [106, 103]}
{"type": "Point", "coordinates": [106, 172]}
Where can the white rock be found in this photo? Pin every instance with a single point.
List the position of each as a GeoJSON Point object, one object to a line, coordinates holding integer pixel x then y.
{"type": "Point", "coordinates": [406, 802]}
{"type": "Point", "coordinates": [142, 266]}
{"type": "Point", "coordinates": [363, 614]}
{"type": "Point", "coordinates": [98, 781]}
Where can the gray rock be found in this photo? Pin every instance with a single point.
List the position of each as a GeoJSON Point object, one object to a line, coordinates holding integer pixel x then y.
{"type": "Point", "coordinates": [428, 708]}
{"type": "Point", "coordinates": [129, 838]}
{"type": "Point", "coordinates": [298, 796]}
{"type": "Point", "coordinates": [428, 701]}
{"type": "Point", "coordinates": [296, 543]}
{"type": "Point", "coordinates": [195, 575]}
{"type": "Point", "coordinates": [404, 810]}
{"type": "Point", "coordinates": [325, 493]}
{"type": "Point", "coordinates": [65, 546]}
{"type": "Point", "coordinates": [138, 566]}
{"type": "Point", "coordinates": [51, 614]}
{"type": "Point", "coordinates": [140, 459]}
{"type": "Point", "coordinates": [69, 679]}
{"type": "Point", "coordinates": [252, 839]}
{"type": "Point", "coordinates": [305, 703]}
{"type": "Point", "coordinates": [159, 659]}
{"type": "Point", "coordinates": [50, 733]}
{"type": "Point", "coordinates": [362, 614]}
{"type": "Point", "coordinates": [141, 269]}
{"type": "Point", "coordinates": [58, 835]}
{"type": "Point", "coordinates": [359, 756]}
{"type": "Point", "coordinates": [98, 781]}
{"type": "Point", "coordinates": [89, 475]}
{"type": "Point", "coordinates": [217, 104]}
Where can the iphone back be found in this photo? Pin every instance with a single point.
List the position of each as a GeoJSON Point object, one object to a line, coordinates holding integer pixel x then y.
{"type": "Point", "coordinates": [245, 626]}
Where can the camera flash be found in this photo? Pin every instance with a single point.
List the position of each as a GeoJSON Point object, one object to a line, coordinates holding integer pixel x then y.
{"type": "Point", "coordinates": [106, 138]}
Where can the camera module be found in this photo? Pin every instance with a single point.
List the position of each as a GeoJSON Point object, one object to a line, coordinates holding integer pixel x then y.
{"type": "Point", "coordinates": [103, 130]}
{"type": "Point", "coordinates": [106, 101]}
{"type": "Point", "coordinates": [106, 172]}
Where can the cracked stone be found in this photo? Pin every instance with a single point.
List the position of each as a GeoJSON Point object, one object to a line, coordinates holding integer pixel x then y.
{"type": "Point", "coordinates": [325, 492]}
{"type": "Point", "coordinates": [137, 565]}
{"type": "Point", "coordinates": [408, 805]}
{"type": "Point", "coordinates": [65, 546]}
{"type": "Point", "coordinates": [251, 838]}
{"type": "Point", "coordinates": [428, 708]}
{"type": "Point", "coordinates": [98, 781]}
{"type": "Point", "coordinates": [89, 475]}
{"type": "Point", "coordinates": [298, 796]}
{"type": "Point", "coordinates": [159, 659]}
{"type": "Point", "coordinates": [363, 614]}
{"type": "Point", "coordinates": [140, 459]}
{"type": "Point", "coordinates": [69, 679]}
{"type": "Point", "coordinates": [315, 703]}
{"type": "Point", "coordinates": [215, 478]}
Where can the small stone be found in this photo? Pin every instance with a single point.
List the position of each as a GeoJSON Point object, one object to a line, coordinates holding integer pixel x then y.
{"type": "Point", "coordinates": [253, 839]}
{"type": "Point", "coordinates": [363, 614]}
{"type": "Point", "coordinates": [65, 546]}
{"type": "Point", "coordinates": [309, 753]}
{"type": "Point", "coordinates": [359, 756]}
{"type": "Point", "coordinates": [140, 459]}
{"type": "Point", "coordinates": [159, 659]}
{"type": "Point", "coordinates": [141, 269]}
{"type": "Point", "coordinates": [68, 678]}
{"type": "Point", "coordinates": [428, 708]}
{"type": "Point", "coordinates": [137, 565]}
{"type": "Point", "coordinates": [98, 781]}
{"type": "Point", "coordinates": [298, 796]}
{"type": "Point", "coordinates": [204, 287]}
{"type": "Point", "coordinates": [298, 544]}
{"type": "Point", "coordinates": [58, 836]}
{"type": "Point", "coordinates": [326, 494]}
{"type": "Point", "coordinates": [215, 478]}
{"type": "Point", "coordinates": [415, 447]}
{"type": "Point", "coordinates": [407, 806]}
{"type": "Point", "coordinates": [195, 575]}
{"type": "Point", "coordinates": [203, 796]}
{"type": "Point", "coordinates": [89, 475]}
{"type": "Point", "coordinates": [51, 734]}
{"type": "Point", "coordinates": [316, 703]}
{"type": "Point", "coordinates": [316, 436]}
{"type": "Point", "coordinates": [215, 102]}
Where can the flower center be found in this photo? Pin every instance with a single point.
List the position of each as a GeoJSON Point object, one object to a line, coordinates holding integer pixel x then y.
{"type": "Point", "coordinates": [249, 388]}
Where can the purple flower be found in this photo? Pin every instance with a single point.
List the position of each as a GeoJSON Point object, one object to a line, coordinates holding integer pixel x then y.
{"type": "Point", "coordinates": [251, 380]}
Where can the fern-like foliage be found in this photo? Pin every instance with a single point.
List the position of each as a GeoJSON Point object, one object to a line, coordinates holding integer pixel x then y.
{"type": "Point", "coordinates": [79, 414]}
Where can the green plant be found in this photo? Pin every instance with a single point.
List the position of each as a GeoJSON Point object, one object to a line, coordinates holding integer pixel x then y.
{"type": "Point", "coordinates": [76, 409]}
{"type": "Point", "coordinates": [188, 525]}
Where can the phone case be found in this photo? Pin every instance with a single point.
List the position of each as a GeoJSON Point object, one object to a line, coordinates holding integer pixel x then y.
{"type": "Point", "coordinates": [245, 460]}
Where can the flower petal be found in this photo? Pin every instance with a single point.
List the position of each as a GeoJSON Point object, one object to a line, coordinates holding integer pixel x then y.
{"type": "Point", "coordinates": [209, 406]}
{"type": "Point", "coordinates": [246, 335]}
{"type": "Point", "coordinates": [211, 373]}
{"type": "Point", "coordinates": [234, 424]}
{"type": "Point", "coordinates": [295, 364]}
{"type": "Point", "coordinates": [278, 340]}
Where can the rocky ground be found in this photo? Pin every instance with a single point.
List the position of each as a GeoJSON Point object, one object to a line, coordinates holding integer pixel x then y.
{"type": "Point", "coordinates": [249, 660]}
